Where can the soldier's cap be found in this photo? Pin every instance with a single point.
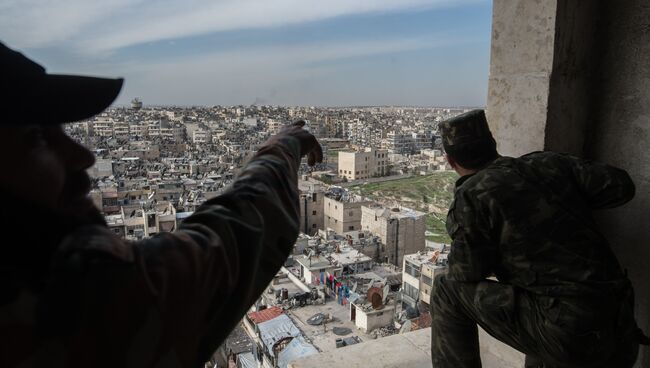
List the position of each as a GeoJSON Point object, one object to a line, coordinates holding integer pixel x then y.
{"type": "Point", "coordinates": [30, 95]}
{"type": "Point", "coordinates": [470, 127]}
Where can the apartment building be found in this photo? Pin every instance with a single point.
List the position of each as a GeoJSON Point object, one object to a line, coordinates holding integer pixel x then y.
{"type": "Point", "coordinates": [364, 164]}
{"type": "Point", "coordinates": [418, 272]}
{"type": "Point", "coordinates": [312, 211]}
{"type": "Point", "coordinates": [342, 215]}
{"type": "Point", "coordinates": [401, 230]}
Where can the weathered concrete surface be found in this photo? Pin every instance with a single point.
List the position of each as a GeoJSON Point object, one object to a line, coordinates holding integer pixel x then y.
{"type": "Point", "coordinates": [521, 63]}
{"type": "Point", "coordinates": [579, 82]}
{"type": "Point", "coordinates": [412, 349]}
{"type": "Point", "coordinates": [495, 354]}
{"type": "Point", "coordinates": [571, 90]}
{"type": "Point", "coordinates": [620, 134]}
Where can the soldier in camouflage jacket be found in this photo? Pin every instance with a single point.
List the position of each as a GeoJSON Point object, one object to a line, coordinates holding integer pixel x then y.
{"type": "Point", "coordinates": [528, 263]}
{"type": "Point", "coordinates": [72, 294]}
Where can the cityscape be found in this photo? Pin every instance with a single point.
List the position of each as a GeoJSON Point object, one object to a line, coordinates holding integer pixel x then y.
{"type": "Point", "coordinates": [372, 214]}
{"type": "Point", "coordinates": [542, 183]}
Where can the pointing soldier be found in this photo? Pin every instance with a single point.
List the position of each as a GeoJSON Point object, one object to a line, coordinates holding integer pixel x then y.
{"type": "Point", "coordinates": [72, 294]}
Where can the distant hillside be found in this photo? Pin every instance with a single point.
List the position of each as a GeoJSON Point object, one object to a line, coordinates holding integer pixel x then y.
{"type": "Point", "coordinates": [429, 193]}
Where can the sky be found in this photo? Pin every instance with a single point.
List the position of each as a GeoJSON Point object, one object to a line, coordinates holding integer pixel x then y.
{"type": "Point", "coordinates": [278, 52]}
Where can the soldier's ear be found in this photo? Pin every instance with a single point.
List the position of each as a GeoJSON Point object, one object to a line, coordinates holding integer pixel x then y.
{"type": "Point", "coordinates": [451, 161]}
{"type": "Point", "coordinates": [454, 165]}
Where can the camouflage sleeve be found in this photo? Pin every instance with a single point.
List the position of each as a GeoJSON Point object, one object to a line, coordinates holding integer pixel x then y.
{"type": "Point", "coordinates": [473, 254]}
{"type": "Point", "coordinates": [603, 186]}
{"type": "Point", "coordinates": [207, 274]}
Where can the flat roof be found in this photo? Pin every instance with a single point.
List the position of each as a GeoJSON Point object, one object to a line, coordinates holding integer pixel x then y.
{"type": "Point", "coordinates": [349, 255]}
{"type": "Point", "coordinates": [314, 262]}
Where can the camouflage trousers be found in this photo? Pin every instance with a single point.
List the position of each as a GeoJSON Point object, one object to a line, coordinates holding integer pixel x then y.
{"type": "Point", "coordinates": [551, 332]}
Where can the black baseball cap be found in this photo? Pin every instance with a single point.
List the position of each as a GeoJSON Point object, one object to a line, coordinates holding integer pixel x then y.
{"type": "Point", "coordinates": [30, 95]}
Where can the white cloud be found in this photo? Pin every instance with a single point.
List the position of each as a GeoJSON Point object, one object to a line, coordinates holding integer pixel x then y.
{"type": "Point", "coordinates": [105, 25]}
{"type": "Point", "coordinates": [284, 74]}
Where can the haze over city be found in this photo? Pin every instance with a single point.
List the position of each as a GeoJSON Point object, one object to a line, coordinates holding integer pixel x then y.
{"type": "Point", "coordinates": [415, 52]}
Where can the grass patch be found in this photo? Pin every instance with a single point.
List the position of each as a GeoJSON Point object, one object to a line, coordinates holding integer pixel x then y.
{"type": "Point", "coordinates": [436, 224]}
{"type": "Point", "coordinates": [431, 194]}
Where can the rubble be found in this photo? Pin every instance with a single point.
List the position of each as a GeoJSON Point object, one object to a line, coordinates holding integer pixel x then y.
{"type": "Point", "coordinates": [384, 331]}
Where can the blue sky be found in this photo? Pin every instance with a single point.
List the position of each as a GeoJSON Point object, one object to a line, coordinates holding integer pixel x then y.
{"type": "Point", "coordinates": [281, 52]}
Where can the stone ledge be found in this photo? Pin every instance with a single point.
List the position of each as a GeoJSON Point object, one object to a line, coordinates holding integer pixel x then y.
{"type": "Point", "coordinates": [411, 349]}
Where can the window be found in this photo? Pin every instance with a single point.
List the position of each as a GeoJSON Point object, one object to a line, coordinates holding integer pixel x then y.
{"type": "Point", "coordinates": [427, 280]}
{"type": "Point", "coordinates": [313, 212]}
{"type": "Point", "coordinates": [151, 220]}
{"type": "Point", "coordinates": [313, 226]}
{"type": "Point", "coordinates": [409, 290]}
{"type": "Point", "coordinates": [314, 198]}
{"type": "Point", "coordinates": [411, 269]}
{"type": "Point", "coordinates": [351, 227]}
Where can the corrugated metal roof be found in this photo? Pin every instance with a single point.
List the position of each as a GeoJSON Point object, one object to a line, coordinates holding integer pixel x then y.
{"type": "Point", "coordinates": [246, 360]}
{"type": "Point", "coordinates": [297, 348]}
{"type": "Point", "coordinates": [277, 329]}
{"type": "Point", "coordinates": [265, 315]}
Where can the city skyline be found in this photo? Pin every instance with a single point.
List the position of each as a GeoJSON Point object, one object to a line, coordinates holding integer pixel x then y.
{"type": "Point", "coordinates": [415, 53]}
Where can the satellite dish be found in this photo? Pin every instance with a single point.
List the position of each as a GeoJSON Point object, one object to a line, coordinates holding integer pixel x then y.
{"type": "Point", "coordinates": [385, 294]}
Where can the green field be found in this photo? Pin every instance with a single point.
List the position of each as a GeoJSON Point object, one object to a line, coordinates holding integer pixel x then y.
{"type": "Point", "coordinates": [428, 193]}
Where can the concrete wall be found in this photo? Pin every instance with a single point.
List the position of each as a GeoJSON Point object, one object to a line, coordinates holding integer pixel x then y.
{"type": "Point", "coordinates": [395, 231]}
{"type": "Point", "coordinates": [340, 216]}
{"type": "Point", "coordinates": [410, 237]}
{"type": "Point", "coordinates": [620, 135]}
{"type": "Point", "coordinates": [311, 202]}
{"type": "Point", "coordinates": [368, 321]}
{"type": "Point", "coordinates": [574, 76]}
{"type": "Point", "coordinates": [348, 165]}
{"type": "Point", "coordinates": [412, 349]}
{"type": "Point", "coordinates": [520, 70]}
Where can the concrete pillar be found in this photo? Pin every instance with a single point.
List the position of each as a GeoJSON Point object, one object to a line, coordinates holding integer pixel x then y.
{"type": "Point", "coordinates": [619, 133]}
{"type": "Point", "coordinates": [573, 76]}
{"type": "Point", "coordinates": [521, 63]}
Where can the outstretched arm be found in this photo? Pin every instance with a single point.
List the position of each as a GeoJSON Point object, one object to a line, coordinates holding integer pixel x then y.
{"type": "Point", "coordinates": [209, 272]}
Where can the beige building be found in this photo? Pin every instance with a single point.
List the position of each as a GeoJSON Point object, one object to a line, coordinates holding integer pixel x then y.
{"type": "Point", "coordinates": [342, 216]}
{"type": "Point", "coordinates": [418, 272]}
{"type": "Point", "coordinates": [312, 214]}
{"type": "Point", "coordinates": [273, 127]}
{"type": "Point", "coordinates": [201, 136]}
{"type": "Point", "coordinates": [134, 222]}
{"type": "Point", "coordinates": [401, 230]}
{"type": "Point", "coordinates": [364, 164]}
{"type": "Point", "coordinates": [435, 266]}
